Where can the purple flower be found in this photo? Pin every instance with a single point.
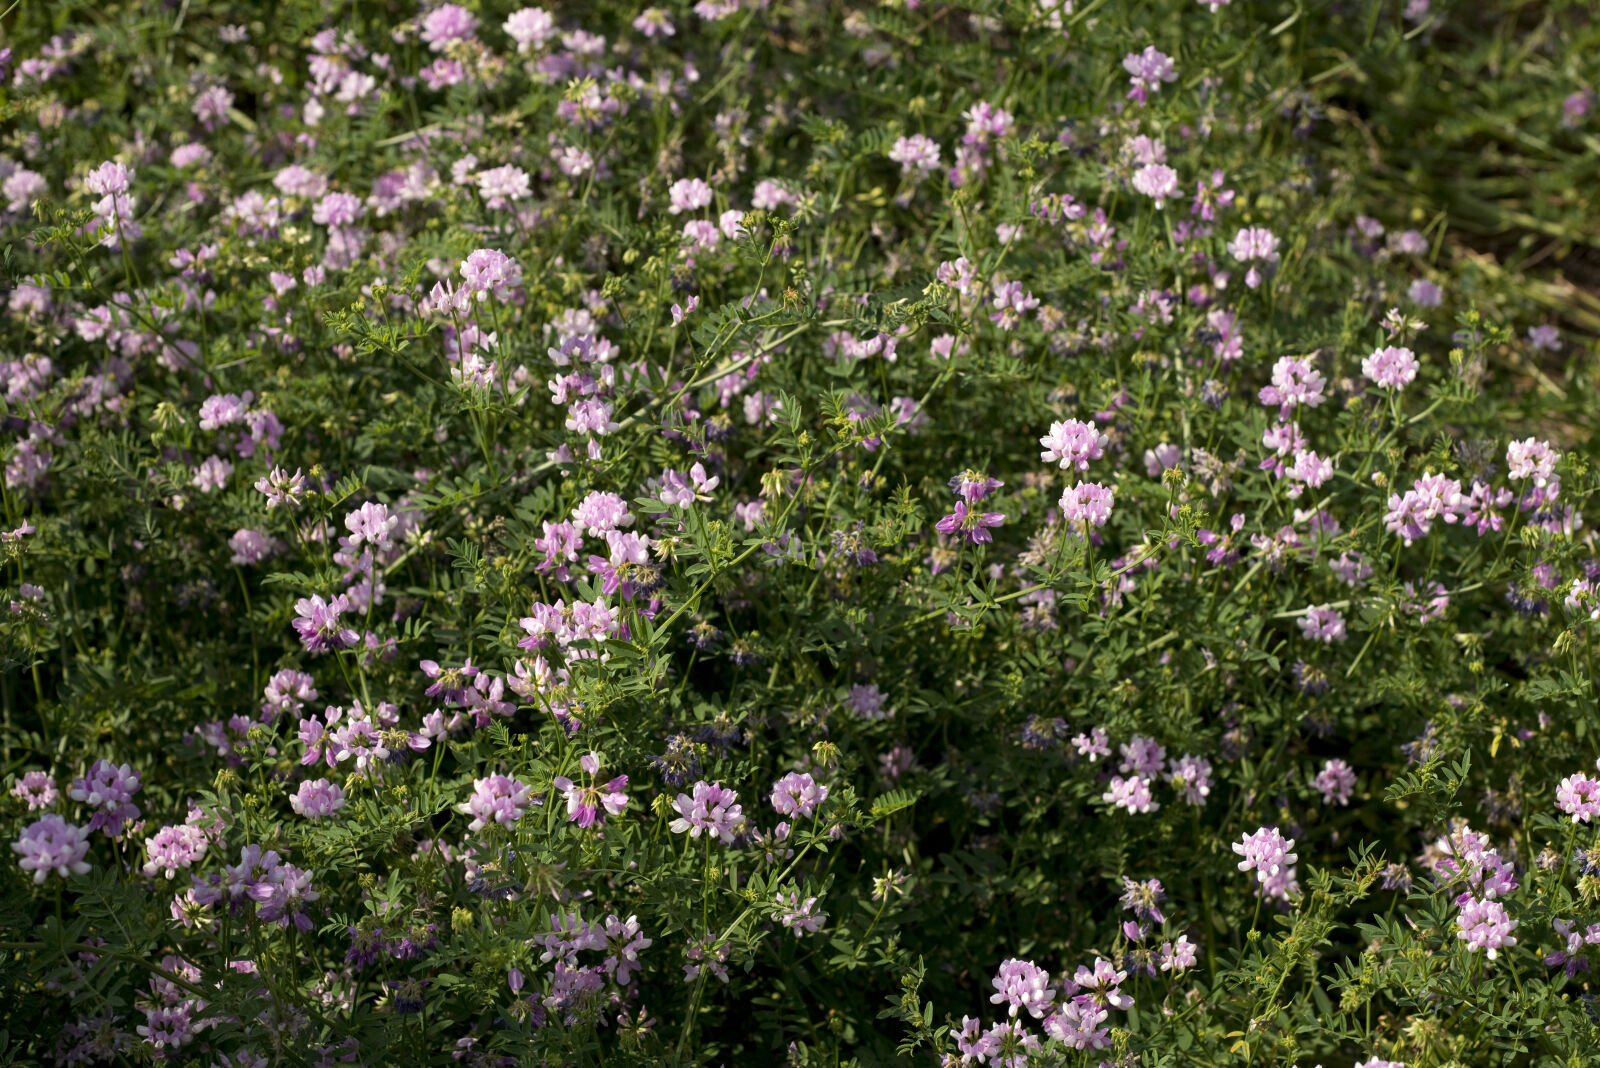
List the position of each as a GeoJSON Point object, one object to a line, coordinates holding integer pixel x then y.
{"type": "Point", "coordinates": [654, 22]}
{"type": "Point", "coordinates": [251, 547]}
{"type": "Point", "coordinates": [866, 701]}
{"type": "Point", "coordinates": [852, 545]}
{"type": "Point", "coordinates": [971, 525]}
{"type": "Point", "coordinates": [1077, 1024]}
{"type": "Point", "coordinates": [1431, 497]}
{"type": "Point", "coordinates": [36, 789]}
{"type": "Point", "coordinates": [447, 24]}
{"type": "Point", "coordinates": [1545, 337]}
{"type": "Point", "coordinates": [1295, 383]}
{"type": "Point", "coordinates": [337, 209]}
{"type": "Point", "coordinates": [797, 793]}
{"type": "Point", "coordinates": [1178, 956]}
{"type": "Point", "coordinates": [1425, 294]}
{"type": "Point", "coordinates": [488, 270]}
{"type": "Point", "coordinates": [1254, 243]}
{"type": "Point", "coordinates": [1191, 776]}
{"type": "Point", "coordinates": [495, 799]}
{"type": "Point", "coordinates": [1142, 755]}
{"type": "Point", "coordinates": [500, 185]}
{"type": "Point", "coordinates": [174, 848]}
{"type": "Point", "coordinates": [360, 738]}
{"type": "Point", "coordinates": [1021, 984]}
{"type": "Point", "coordinates": [51, 844]}
{"type": "Point", "coordinates": [371, 523]}
{"type": "Point", "coordinates": [1308, 469]}
{"type": "Point", "coordinates": [1322, 623]}
{"type": "Point", "coordinates": [1132, 793]}
{"type": "Point", "coordinates": [1103, 984]}
{"type": "Point", "coordinates": [212, 474]}
{"type": "Point", "coordinates": [1073, 444]}
{"type": "Point", "coordinates": [1088, 503]}
{"type": "Point", "coordinates": [282, 895]}
{"type": "Point", "coordinates": [109, 790]}
{"type": "Point", "coordinates": [688, 194]}
{"type": "Point", "coordinates": [1266, 852]}
{"type": "Point", "coordinates": [1011, 302]}
{"type": "Point", "coordinates": [1334, 782]}
{"type": "Point", "coordinates": [108, 179]}
{"type": "Point", "coordinates": [1579, 797]}
{"type": "Point", "coordinates": [1484, 924]}
{"type": "Point", "coordinates": [799, 916]}
{"type": "Point", "coordinates": [317, 799]}
{"type": "Point", "coordinates": [1531, 458]}
{"type": "Point", "coordinates": [769, 195]}
{"type": "Point", "coordinates": [286, 693]}
{"type": "Point", "coordinates": [211, 105]}
{"type": "Point", "coordinates": [532, 28]}
{"type": "Point", "coordinates": [1391, 367]}
{"type": "Point", "coordinates": [1093, 745]}
{"type": "Point", "coordinates": [974, 486]}
{"type": "Point", "coordinates": [917, 154]}
{"type": "Point", "coordinates": [452, 686]}
{"type": "Point", "coordinates": [319, 626]}
{"type": "Point", "coordinates": [599, 512]}
{"type": "Point", "coordinates": [680, 492]}
{"type": "Point", "coordinates": [585, 803]}
{"type": "Point", "coordinates": [1147, 70]}
{"type": "Point", "coordinates": [1144, 899]}
{"type": "Point", "coordinates": [1157, 181]}
{"type": "Point", "coordinates": [712, 809]}
{"type": "Point", "coordinates": [280, 487]}
{"type": "Point", "coordinates": [224, 409]}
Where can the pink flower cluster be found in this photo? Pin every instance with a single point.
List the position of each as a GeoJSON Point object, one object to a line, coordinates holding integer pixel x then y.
{"type": "Point", "coordinates": [712, 809]}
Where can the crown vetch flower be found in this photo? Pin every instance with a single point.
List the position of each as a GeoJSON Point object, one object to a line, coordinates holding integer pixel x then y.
{"type": "Point", "coordinates": [496, 799]}
{"type": "Point", "coordinates": [1323, 623]}
{"type": "Point", "coordinates": [1485, 924]}
{"type": "Point", "coordinates": [1078, 1024]}
{"type": "Point", "coordinates": [1533, 459]}
{"type": "Point", "coordinates": [51, 844]}
{"type": "Point", "coordinates": [36, 789]}
{"type": "Point", "coordinates": [799, 916]}
{"type": "Point", "coordinates": [1073, 444]}
{"type": "Point", "coordinates": [1088, 503]}
{"type": "Point", "coordinates": [319, 624]}
{"type": "Point", "coordinates": [1579, 797]}
{"type": "Point", "coordinates": [1179, 956]}
{"type": "Point", "coordinates": [797, 794]}
{"type": "Point", "coordinates": [917, 154]}
{"type": "Point", "coordinates": [1132, 793]}
{"type": "Point", "coordinates": [971, 525]}
{"type": "Point", "coordinates": [587, 802]}
{"type": "Point", "coordinates": [174, 848]}
{"type": "Point", "coordinates": [1266, 852]}
{"type": "Point", "coordinates": [317, 799]}
{"type": "Point", "coordinates": [1295, 383]}
{"type": "Point", "coordinates": [108, 789]}
{"type": "Point", "coordinates": [1022, 985]}
{"type": "Point", "coordinates": [712, 809]}
{"type": "Point", "coordinates": [1156, 181]}
{"type": "Point", "coordinates": [1147, 71]}
{"type": "Point", "coordinates": [1391, 367]}
{"type": "Point", "coordinates": [1334, 782]}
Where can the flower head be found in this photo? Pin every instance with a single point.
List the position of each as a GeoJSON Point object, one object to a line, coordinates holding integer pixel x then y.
{"type": "Point", "coordinates": [711, 809]}
{"type": "Point", "coordinates": [51, 844]}
{"type": "Point", "coordinates": [1022, 985]}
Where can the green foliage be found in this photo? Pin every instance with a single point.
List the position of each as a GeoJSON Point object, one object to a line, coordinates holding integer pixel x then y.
{"type": "Point", "coordinates": [780, 394]}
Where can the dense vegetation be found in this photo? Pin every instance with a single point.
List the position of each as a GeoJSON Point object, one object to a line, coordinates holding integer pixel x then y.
{"type": "Point", "coordinates": [782, 532]}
